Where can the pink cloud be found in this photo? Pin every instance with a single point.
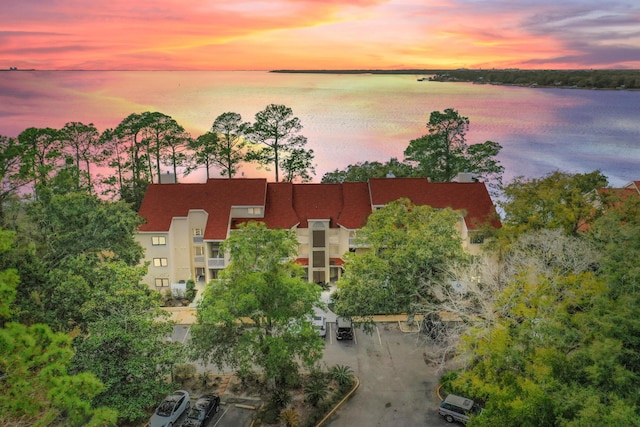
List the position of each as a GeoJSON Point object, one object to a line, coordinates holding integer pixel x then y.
{"type": "Point", "coordinates": [268, 34]}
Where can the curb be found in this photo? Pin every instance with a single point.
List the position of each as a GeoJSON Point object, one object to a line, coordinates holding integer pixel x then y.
{"type": "Point", "coordinates": [339, 404]}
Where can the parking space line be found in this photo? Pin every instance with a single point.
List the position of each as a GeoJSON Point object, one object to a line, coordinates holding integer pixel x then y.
{"type": "Point", "coordinates": [329, 333]}
{"type": "Point", "coordinates": [355, 340]}
{"type": "Point", "coordinates": [186, 334]}
{"type": "Point", "coordinates": [378, 332]}
{"type": "Point", "coordinates": [221, 416]}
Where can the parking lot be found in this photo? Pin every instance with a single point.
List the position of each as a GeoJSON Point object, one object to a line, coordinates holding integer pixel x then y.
{"type": "Point", "coordinates": [396, 389]}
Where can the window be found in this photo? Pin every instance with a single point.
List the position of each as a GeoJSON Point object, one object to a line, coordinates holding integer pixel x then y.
{"type": "Point", "coordinates": [197, 231]}
{"type": "Point", "coordinates": [199, 250]}
{"type": "Point", "coordinates": [318, 259]}
{"type": "Point", "coordinates": [318, 238]}
{"type": "Point", "coordinates": [162, 282]}
{"type": "Point", "coordinates": [255, 211]}
{"type": "Point", "coordinates": [158, 240]}
{"type": "Point", "coordinates": [160, 262]}
{"type": "Point", "coordinates": [216, 252]}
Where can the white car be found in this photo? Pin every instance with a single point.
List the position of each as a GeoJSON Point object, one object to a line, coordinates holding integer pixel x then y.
{"type": "Point", "coordinates": [320, 325]}
{"type": "Point", "coordinates": [171, 408]}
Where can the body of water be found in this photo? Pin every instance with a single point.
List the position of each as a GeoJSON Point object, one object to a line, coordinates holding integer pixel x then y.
{"type": "Point", "coordinates": [349, 118]}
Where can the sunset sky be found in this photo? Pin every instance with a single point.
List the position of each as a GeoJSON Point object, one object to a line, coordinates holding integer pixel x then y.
{"type": "Point", "coordinates": [318, 34]}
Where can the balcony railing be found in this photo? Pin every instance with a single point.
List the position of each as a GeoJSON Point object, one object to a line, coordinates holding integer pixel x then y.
{"type": "Point", "coordinates": [216, 263]}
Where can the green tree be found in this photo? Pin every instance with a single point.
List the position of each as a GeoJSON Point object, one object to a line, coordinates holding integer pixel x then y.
{"type": "Point", "coordinates": [229, 150]}
{"type": "Point", "coordinates": [176, 144]}
{"type": "Point", "coordinates": [204, 149]}
{"type": "Point", "coordinates": [36, 388]}
{"type": "Point", "coordinates": [63, 238]}
{"type": "Point", "coordinates": [41, 155]}
{"type": "Point", "coordinates": [276, 130]}
{"type": "Point", "coordinates": [131, 149]}
{"type": "Point", "coordinates": [10, 180]}
{"type": "Point", "coordinates": [557, 200]}
{"type": "Point", "coordinates": [298, 164]}
{"type": "Point", "coordinates": [443, 152]}
{"type": "Point", "coordinates": [408, 247]}
{"type": "Point", "coordinates": [258, 313]}
{"type": "Point", "coordinates": [125, 342]}
{"type": "Point", "coordinates": [560, 348]}
{"type": "Point", "coordinates": [362, 171]}
{"type": "Point", "coordinates": [84, 145]}
{"type": "Point", "coordinates": [164, 140]}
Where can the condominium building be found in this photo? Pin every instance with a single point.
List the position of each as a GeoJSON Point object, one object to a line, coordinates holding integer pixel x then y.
{"type": "Point", "coordinates": [186, 223]}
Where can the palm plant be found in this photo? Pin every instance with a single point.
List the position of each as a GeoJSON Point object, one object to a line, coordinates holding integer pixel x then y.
{"type": "Point", "coordinates": [342, 374]}
{"type": "Point", "coordinates": [290, 417]}
{"type": "Point", "coordinates": [316, 390]}
{"type": "Point", "coordinates": [280, 397]}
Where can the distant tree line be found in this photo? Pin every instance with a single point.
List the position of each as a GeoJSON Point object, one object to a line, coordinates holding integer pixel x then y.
{"type": "Point", "coordinates": [121, 161]}
{"type": "Point", "coordinates": [587, 79]}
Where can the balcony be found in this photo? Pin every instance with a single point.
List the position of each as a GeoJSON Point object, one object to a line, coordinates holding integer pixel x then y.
{"type": "Point", "coordinates": [216, 263]}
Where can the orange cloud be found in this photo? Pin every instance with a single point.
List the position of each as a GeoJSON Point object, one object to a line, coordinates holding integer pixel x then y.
{"type": "Point", "coordinates": [268, 34]}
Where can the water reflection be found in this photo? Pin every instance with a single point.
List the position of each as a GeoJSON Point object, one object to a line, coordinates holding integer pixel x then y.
{"type": "Point", "coordinates": [350, 118]}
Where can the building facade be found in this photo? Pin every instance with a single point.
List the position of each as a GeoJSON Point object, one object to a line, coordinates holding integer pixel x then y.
{"type": "Point", "coordinates": [185, 224]}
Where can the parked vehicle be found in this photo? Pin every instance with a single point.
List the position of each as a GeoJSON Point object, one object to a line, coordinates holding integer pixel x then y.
{"type": "Point", "coordinates": [205, 407]}
{"type": "Point", "coordinates": [320, 325]}
{"type": "Point", "coordinates": [171, 408]}
{"type": "Point", "coordinates": [344, 329]}
{"type": "Point", "coordinates": [457, 408]}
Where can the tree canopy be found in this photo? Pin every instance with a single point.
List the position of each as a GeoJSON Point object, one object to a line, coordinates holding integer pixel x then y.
{"type": "Point", "coordinates": [362, 171]}
{"type": "Point", "coordinates": [37, 387]}
{"type": "Point", "coordinates": [557, 200]}
{"type": "Point", "coordinates": [440, 155]}
{"type": "Point", "coordinates": [276, 130]}
{"type": "Point", "coordinates": [443, 152]}
{"type": "Point", "coordinates": [554, 344]}
{"type": "Point", "coordinates": [407, 248]}
{"type": "Point", "coordinates": [257, 313]}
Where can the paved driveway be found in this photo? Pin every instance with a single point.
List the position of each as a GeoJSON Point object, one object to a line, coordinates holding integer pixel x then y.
{"type": "Point", "coordinates": [396, 387]}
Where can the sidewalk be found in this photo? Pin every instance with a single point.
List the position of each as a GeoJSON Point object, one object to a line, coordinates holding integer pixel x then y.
{"type": "Point", "coordinates": [187, 316]}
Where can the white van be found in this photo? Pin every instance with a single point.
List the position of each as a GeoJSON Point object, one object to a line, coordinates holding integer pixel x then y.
{"type": "Point", "coordinates": [456, 408]}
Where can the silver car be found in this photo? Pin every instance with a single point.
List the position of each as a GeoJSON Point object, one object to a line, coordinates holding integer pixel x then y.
{"type": "Point", "coordinates": [171, 408]}
{"type": "Point", "coordinates": [320, 325]}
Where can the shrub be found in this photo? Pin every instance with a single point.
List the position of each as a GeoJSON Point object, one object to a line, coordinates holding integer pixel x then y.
{"type": "Point", "coordinates": [316, 390]}
{"type": "Point", "coordinates": [290, 417]}
{"type": "Point", "coordinates": [191, 292]}
{"type": "Point", "coordinates": [280, 398]}
{"type": "Point", "coordinates": [446, 381]}
{"type": "Point", "coordinates": [342, 374]}
{"type": "Point", "coordinates": [183, 372]}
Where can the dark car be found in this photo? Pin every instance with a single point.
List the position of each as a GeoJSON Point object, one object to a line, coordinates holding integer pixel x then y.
{"type": "Point", "coordinates": [204, 408]}
{"type": "Point", "coordinates": [344, 329]}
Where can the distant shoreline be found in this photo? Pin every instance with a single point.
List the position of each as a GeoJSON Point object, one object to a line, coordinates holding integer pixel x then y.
{"type": "Point", "coordinates": [561, 79]}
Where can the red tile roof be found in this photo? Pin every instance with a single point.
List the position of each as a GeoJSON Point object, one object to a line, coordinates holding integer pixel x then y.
{"type": "Point", "coordinates": [357, 205]}
{"type": "Point", "coordinates": [287, 205]}
{"type": "Point", "coordinates": [317, 201]}
{"type": "Point", "coordinates": [162, 202]}
{"type": "Point", "coordinates": [472, 197]}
